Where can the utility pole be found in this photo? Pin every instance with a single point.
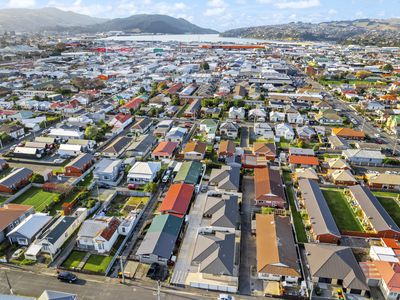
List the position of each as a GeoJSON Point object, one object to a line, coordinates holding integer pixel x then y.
{"type": "Point", "coordinates": [121, 263]}
{"type": "Point", "coordinates": [158, 290]}
{"type": "Point", "coordinates": [8, 283]}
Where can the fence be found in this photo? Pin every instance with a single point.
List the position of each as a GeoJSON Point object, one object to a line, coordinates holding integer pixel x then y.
{"type": "Point", "coordinates": [87, 172]}
{"type": "Point", "coordinates": [17, 194]}
{"type": "Point", "coordinates": [385, 234]}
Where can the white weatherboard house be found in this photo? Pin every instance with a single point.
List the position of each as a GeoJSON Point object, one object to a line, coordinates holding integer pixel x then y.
{"type": "Point", "coordinates": [143, 172]}
{"type": "Point", "coordinates": [69, 150]}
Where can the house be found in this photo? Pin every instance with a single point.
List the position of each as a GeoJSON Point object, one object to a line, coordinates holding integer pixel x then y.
{"type": "Point", "coordinates": [176, 134]}
{"type": "Point", "coordinates": [304, 161]}
{"type": "Point", "coordinates": [285, 131]}
{"type": "Point", "coordinates": [374, 215]}
{"type": "Point", "coordinates": [143, 172]}
{"type": "Point", "coordinates": [257, 115]}
{"type": "Point", "coordinates": [305, 132]}
{"type": "Point", "coordinates": [226, 148]}
{"type": "Point", "coordinates": [65, 134]}
{"type": "Point", "coordinates": [163, 127]}
{"type": "Point", "coordinates": [189, 172]}
{"type": "Point", "coordinates": [329, 117]}
{"type": "Point", "coordinates": [15, 131]}
{"type": "Point", "coordinates": [98, 234]}
{"type": "Point", "coordinates": [360, 156]}
{"type": "Point", "coordinates": [142, 125]}
{"type": "Point", "coordinates": [16, 180]}
{"type": "Point", "coordinates": [337, 266]}
{"type": "Point", "coordinates": [267, 150]}
{"type": "Point", "coordinates": [79, 165]}
{"type": "Point", "coordinates": [164, 150]}
{"type": "Point", "coordinates": [301, 151]}
{"type": "Point", "coordinates": [55, 295]}
{"type": "Point", "coordinates": [338, 164]}
{"type": "Point", "coordinates": [195, 150]}
{"type": "Point", "coordinates": [68, 150]}
{"type": "Point", "coordinates": [384, 181]}
{"type": "Point", "coordinates": [225, 179]}
{"type": "Point", "coordinates": [229, 130]}
{"type": "Point", "coordinates": [209, 126]}
{"type": "Point", "coordinates": [342, 177]}
{"type": "Point", "coordinates": [264, 130]}
{"type": "Point", "coordinates": [276, 116]}
{"type": "Point", "coordinates": [121, 121]}
{"type": "Point", "coordinates": [87, 145]}
{"type": "Point", "coordinates": [268, 188]}
{"type": "Point", "coordinates": [141, 148]}
{"type": "Point", "coordinates": [117, 147]}
{"type": "Point", "coordinates": [29, 152]}
{"type": "Point", "coordinates": [53, 238]}
{"type": "Point", "coordinates": [220, 213]}
{"type": "Point", "coordinates": [294, 117]}
{"type": "Point", "coordinates": [131, 105]}
{"type": "Point", "coordinates": [323, 226]}
{"type": "Point", "coordinates": [158, 245]}
{"type": "Point", "coordinates": [11, 215]}
{"type": "Point", "coordinates": [348, 133]}
{"type": "Point", "coordinates": [236, 113]}
{"type": "Point", "coordinates": [26, 231]}
{"type": "Point", "coordinates": [337, 143]}
{"type": "Point", "coordinates": [276, 250]}
{"type": "Point", "coordinates": [306, 173]}
{"type": "Point", "coordinates": [108, 172]}
{"type": "Point", "coordinates": [193, 109]}
{"type": "Point", "coordinates": [177, 200]}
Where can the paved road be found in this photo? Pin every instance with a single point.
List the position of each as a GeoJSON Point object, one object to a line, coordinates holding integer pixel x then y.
{"type": "Point", "coordinates": [244, 137]}
{"type": "Point", "coordinates": [30, 284]}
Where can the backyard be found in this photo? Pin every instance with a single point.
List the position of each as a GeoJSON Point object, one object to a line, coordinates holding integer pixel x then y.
{"type": "Point", "coordinates": [345, 218]}
{"type": "Point", "coordinates": [97, 263]}
{"type": "Point", "coordinates": [116, 206]}
{"type": "Point", "coordinates": [388, 201]}
{"type": "Point", "coordinates": [36, 197]}
{"type": "Point", "coordinates": [74, 259]}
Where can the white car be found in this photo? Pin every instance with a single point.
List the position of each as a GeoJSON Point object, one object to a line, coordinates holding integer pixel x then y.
{"type": "Point", "coordinates": [225, 297]}
{"type": "Point", "coordinates": [58, 161]}
{"type": "Point", "coordinates": [17, 253]}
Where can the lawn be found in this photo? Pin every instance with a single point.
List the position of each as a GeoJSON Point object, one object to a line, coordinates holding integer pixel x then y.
{"type": "Point", "coordinates": [133, 201]}
{"type": "Point", "coordinates": [297, 220]}
{"type": "Point", "coordinates": [36, 197]}
{"type": "Point", "coordinates": [344, 217]}
{"type": "Point", "coordinates": [97, 263]}
{"type": "Point", "coordinates": [386, 194]}
{"type": "Point", "coordinates": [391, 207]}
{"type": "Point", "coordinates": [116, 206]}
{"type": "Point", "coordinates": [74, 259]}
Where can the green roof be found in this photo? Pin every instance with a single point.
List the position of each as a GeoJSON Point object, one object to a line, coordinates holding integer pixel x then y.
{"type": "Point", "coordinates": [189, 172]}
{"type": "Point", "coordinates": [166, 223]}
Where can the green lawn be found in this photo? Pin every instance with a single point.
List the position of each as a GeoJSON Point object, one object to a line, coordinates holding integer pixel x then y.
{"type": "Point", "coordinates": [74, 259]}
{"type": "Point", "coordinates": [344, 217]}
{"type": "Point", "coordinates": [36, 197]}
{"type": "Point", "coordinates": [297, 220]}
{"type": "Point", "coordinates": [97, 263]}
{"type": "Point", "coordinates": [391, 207]}
{"type": "Point", "coordinates": [386, 194]}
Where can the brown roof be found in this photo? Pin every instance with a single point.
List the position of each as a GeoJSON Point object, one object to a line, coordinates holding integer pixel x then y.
{"type": "Point", "coordinates": [268, 182]}
{"type": "Point", "coordinates": [227, 146]}
{"type": "Point", "coordinates": [199, 147]}
{"type": "Point", "coordinates": [276, 251]}
{"type": "Point", "coordinates": [10, 212]}
{"type": "Point", "coordinates": [264, 148]}
{"type": "Point", "coordinates": [109, 231]}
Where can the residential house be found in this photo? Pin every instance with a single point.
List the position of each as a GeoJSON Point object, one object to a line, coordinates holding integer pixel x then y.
{"type": "Point", "coordinates": [209, 126]}
{"type": "Point", "coordinates": [141, 148]}
{"type": "Point", "coordinates": [158, 245]}
{"type": "Point", "coordinates": [342, 177]}
{"type": "Point", "coordinates": [323, 226]}
{"type": "Point", "coordinates": [265, 150]}
{"type": "Point", "coordinates": [294, 117]}
{"type": "Point", "coordinates": [306, 173]}
{"type": "Point", "coordinates": [276, 250]}
{"type": "Point", "coordinates": [276, 116]}
{"type": "Point", "coordinates": [268, 188]}
{"type": "Point", "coordinates": [237, 113]}
{"type": "Point", "coordinates": [108, 172]}
{"type": "Point", "coordinates": [337, 266]}
{"type": "Point", "coordinates": [338, 164]}
{"type": "Point", "coordinates": [68, 150]}
{"type": "Point", "coordinates": [164, 150]}
{"type": "Point", "coordinates": [264, 130]}
{"type": "Point", "coordinates": [11, 215]}
{"type": "Point", "coordinates": [229, 130]}
{"type": "Point", "coordinates": [257, 115]}
{"type": "Point", "coordinates": [220, 213]}
{"type": "Point", "coordinates": [15, 131]}
{"type": "Point", "coordinates": [305, 132]}
{"type": "Point", "coordinates": [193, 109]}
{"type": "Point", "coordinates": [384, 181]}
{"type": "Point", "coordinates": [65, 134]}
{"type": "Point", "coordinates": [189, 172]}
{"type": "Point", "coordinates": [176, 134]}
{"type": "Point", "coordinates": [329, 117]}
{"type": "Point", "coordinates": [26, 231]}
{"type": "Point", "coordinates": [195, 150]}
{"type": "Point", "coordinates": [360, 156]}
{"type": "Point", "coordinates": [79, 165]}
{"type": "Point", "coordinates": [303, 161]}
{"type": "Point", "coordinates": [226, 179]}
{"type": "Point", "coordinates": [117, 147]}
{"type": "Point", "coordinates": [16, 180]}
{"type": "Point", "coordinates": [121, 121]}
{"type": "Point", "coordinates": [348, 133]}
{"type": "Point", "coordinates": [163, 127]}
{"type": "Point", "coordinates": [143, 172]}
{"type": "Point", "coordinates": [142, 125]}
{"type": "Point", "coordinates": [226, 148]}
{"type": "Point", "coordinates": [98, 234]}
{"type": "Point", "coordinates": [177, 199]}
{"type": "Point", "coordinates": [285, 131]}
{"type": "Point", "coordinates": [337, 143]}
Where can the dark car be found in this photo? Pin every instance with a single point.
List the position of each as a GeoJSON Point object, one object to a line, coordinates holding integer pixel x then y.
{"type": "Point", "coordinates": [157, 272]}
{"type": "Point", "coordinates": [67, 277]}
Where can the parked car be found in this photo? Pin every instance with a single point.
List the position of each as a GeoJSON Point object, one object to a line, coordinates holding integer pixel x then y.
{"type": "Point", "coordinates": [133, 186]}
{"type": "Point", "coordinates": [17, 253]}
{"type": "Point", "coordinates": [67, 277]}
{"type": "Point", "coordinates": [225, 297]}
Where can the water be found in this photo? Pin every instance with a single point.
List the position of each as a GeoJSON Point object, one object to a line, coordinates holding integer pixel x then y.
{"type": "Point", "coordinates": [185, 38]}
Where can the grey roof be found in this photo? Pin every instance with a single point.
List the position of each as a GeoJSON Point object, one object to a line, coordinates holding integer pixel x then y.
{"type": "Point", "coordinates": [107, 165]}
{"type": "Point", "coordinates": [215, 253]}
{"type": "Point", "coordinates": [118, 145]}
{"type": "Point", "coordinates": [226, 178]}
{"type": "Point", "coordinates": [58, 230]}
{"type": "Point", "coordinates": [142, 123]}
{"type": "Point", "coordinates": [337, 262]}
{"type": "Point", "coordinates": [373, 209]}
{"type": "Point", "coordinates": [144, 144]}
{"type": "Point", "coordinates": [15, 177]}
{"type": "Point", "coordinates": [54, 295]}
{"type": "Point", "coordinates": [223, 210]}
{"type": "Point", "coordinates": [81, 160]}
{"type": "Point", "coordinates": [321, 218]}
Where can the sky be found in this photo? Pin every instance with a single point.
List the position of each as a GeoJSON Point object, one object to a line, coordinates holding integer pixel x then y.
{"type": "Point", "coordinates": [226, 14]}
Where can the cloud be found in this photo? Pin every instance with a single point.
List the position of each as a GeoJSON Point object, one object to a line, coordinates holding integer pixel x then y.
{"type": "Point", "coordinates": [332, 12]}
{"type": "Point", "coordinates": [292, 4]}
{"type": "Point", "coordinates": [216, 8]}
{"type": "Point", "coordinates": [80, 7]}
{"type": "Point", "coordinates": [21, 3]}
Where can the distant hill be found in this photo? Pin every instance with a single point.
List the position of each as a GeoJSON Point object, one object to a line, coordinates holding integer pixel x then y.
{"type": "Point", "coordinates": [381, 32]}
{"type": "Point", "coordinates": [53, 19]}
{"type": "Point", "coordinates": [33, 20]}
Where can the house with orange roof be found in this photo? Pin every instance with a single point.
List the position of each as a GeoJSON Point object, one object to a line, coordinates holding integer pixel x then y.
{"type": "Point", "coordinates": [348, 133]}
{"type": "Point", "coordinates": [164, 150]}
{"type": "Point", "coordinates": [121, 121]}
{"type": "Point", "coordinates": [268, 188]}
{"type": "Point", "coordinates": [303, 161]}
{"type": "Point", "coordinates": [133, 104]}
{"type": "Point", "coordinates": [267, 150]}
{"type": "Point", "coordinates": [226, 149]}
{"type": "Point", "coordinates": [11, 215]}
{"type": "Point", "coordinates": [177, 200]}
{"type": "Point", "coordinates": [195, 150]}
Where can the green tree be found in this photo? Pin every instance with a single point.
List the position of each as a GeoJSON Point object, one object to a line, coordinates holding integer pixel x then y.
{"type": "Point", "coordinates": [150, 187]}
{"type": "Point", "coordinates": [388, 68]}
{"type": "Point", "coordinates": [91, 132]}
{"type": "Point", "coordinates": [37, 178]}
{"type": "Point", "coordinates": [205, 66]}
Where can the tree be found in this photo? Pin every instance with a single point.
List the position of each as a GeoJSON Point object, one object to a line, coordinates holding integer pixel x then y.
{"type": "Point", "coordinates": [91, 132]}
{"type": "Point", "coordinates": [388, 68]}
{"type": "Point", "coordinates": [150, 187]}
{"type": "Point", "coordinates": [122, 102]}
{"type": "Point", "coordinates": [37, 178]}
{"type": "Point", "coordinates": [362, 74]}
{"type": "Point", "coordinates": [175, 100]}
{"type": "Point", "coordinates": [205, 66]}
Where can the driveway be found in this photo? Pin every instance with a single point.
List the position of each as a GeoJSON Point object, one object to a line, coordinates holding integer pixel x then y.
{"type": "Point", "coordinates": [244, 137]}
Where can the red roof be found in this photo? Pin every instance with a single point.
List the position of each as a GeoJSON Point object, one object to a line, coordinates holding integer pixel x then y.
{"type": "Point", "coordinates": [122, 118]}
{"type": "Point", "coordinates": [165, 148]}
{"type": "Point", "coordinates": [111, 228]}
{"type": "Point", "coordinates": [133, 103]}
{"type": "Point", "coordinates": [177, 199]}
{"type": "Point", "coordinates": [174, 89]}
{"type": "Point", "coordinates": [303, 160]}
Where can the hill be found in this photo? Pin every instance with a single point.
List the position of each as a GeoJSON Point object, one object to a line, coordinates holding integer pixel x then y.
{"type": "Point", "coordinates": [381, 32]}
{"type": "Point", "coordinates": [33, 20]}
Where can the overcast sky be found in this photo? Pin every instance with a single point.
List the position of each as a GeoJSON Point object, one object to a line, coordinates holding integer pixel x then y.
{"type": "Point", "coordinates": [226, 14]}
